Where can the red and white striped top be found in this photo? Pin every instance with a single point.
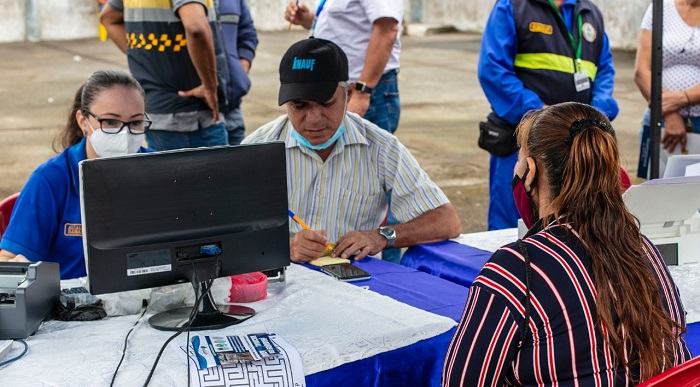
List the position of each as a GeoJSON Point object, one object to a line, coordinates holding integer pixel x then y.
{"type": "Point", "coordinates": [563, 346]}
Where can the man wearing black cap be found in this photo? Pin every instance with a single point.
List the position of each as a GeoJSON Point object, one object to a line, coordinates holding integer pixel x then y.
{"type": "Point", "coordinates": [340, 166]}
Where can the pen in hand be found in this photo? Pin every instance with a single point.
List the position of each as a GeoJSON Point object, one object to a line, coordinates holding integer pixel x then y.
{"type": "Point", "coordinates": [305, 226]}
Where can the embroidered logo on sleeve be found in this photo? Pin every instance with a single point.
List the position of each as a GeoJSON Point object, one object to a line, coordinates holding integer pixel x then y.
{"type": "Point", "coordinates": [541, 28]}
{"type": "Point", "coordinates": [589, 33]}
{"type": "Point", "coordinates": [73, 229]}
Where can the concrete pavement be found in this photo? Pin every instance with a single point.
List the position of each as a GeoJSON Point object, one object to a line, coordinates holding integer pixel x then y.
{"type": "Point", "coordinates": [442, 104]}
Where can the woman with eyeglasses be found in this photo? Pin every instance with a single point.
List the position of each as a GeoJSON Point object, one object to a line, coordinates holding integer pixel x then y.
{"type": "Point", "coordinates": [584, 299]}
{"type": "Point", "coordinates": [107, 119]}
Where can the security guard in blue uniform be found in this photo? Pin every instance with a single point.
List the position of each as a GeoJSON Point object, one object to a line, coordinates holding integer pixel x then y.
{"type": "Point", "coordinates": [536, 53]}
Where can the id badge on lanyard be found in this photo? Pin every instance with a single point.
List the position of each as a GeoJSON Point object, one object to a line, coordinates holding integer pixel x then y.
{"type": "Point", "coordinates": [581, 81]}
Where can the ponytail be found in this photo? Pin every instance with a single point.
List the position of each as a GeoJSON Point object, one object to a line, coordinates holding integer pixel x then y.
{"type": "Point", "coordinates": [577, 148]}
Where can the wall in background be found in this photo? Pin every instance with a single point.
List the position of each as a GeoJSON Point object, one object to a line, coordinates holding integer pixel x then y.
{"type": "Point", "coordinates": [36, 20]}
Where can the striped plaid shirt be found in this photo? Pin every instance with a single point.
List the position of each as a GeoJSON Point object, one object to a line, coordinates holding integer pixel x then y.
{"type": "Point", "coordinates": [563, 347]}
{"type": "Point", "coordinates": [347, 192]}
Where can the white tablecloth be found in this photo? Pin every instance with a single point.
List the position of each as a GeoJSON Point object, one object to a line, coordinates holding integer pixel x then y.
{"type": "Point", "coordinates": [328, 321]}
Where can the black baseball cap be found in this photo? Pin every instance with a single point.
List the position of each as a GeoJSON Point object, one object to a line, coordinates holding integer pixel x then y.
{"type": "Point", "coordinates": [311, 69]}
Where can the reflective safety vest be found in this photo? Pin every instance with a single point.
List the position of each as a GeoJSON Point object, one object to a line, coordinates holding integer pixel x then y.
{"type": "Point", "coordinates": [547, 58]}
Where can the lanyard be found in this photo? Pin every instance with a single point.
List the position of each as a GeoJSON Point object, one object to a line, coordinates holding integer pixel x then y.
{"type": "Point", "coordinates": [577, 48]}
{"type": "Point", "coordinates": [319, 8]}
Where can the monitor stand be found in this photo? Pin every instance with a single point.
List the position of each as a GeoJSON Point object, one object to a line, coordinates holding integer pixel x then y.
{"type": "Point", "coordinates": [208, 317]}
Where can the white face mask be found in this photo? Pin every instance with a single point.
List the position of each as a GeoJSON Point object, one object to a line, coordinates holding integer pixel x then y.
{"type": "Point", "coordinates": [120, 144]}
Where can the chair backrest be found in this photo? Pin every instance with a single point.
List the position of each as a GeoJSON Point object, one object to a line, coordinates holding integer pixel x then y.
{"type": "Point", "coordinates": [684, 375]}
{"type": "Point", "coordinates": [625, 180]}
{"type": "Point", "coordinates": [6, 206]}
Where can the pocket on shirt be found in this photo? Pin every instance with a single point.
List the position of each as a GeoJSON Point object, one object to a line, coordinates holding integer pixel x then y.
{"type": "Point", "coordinates": [363, 208]}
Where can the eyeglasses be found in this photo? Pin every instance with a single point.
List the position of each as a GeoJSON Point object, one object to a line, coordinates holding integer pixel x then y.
{"type": "Point", "coordinates": [114, 126]}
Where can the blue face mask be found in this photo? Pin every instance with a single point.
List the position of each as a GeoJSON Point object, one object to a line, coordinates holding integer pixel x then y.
{"type": "Point", "coordinates": [306, 144]}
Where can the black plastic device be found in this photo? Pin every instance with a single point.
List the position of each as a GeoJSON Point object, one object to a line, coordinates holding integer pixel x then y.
{"type": "Point", "coordinates": [345, 272]}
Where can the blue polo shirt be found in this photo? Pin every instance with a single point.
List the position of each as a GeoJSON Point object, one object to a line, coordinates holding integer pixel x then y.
{"type": "Point", "coordinates": [45, 224]}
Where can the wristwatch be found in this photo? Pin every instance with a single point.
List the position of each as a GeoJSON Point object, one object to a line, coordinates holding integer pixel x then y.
{"type": "Point", "coordinates": [362, 87]}
{"type": "Point", "coordinates": [390, 235]}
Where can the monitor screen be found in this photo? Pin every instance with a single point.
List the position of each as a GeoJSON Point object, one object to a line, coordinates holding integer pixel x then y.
{"type": "Point", "coordinates": [157, 219]}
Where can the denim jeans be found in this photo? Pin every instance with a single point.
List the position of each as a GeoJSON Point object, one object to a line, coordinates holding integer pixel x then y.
{"type": "Point", "coordinates": [235, 126]}
{"type": "Point", "coordinates": [384, 106]}
{"type": "Point", "coordinates": [161, 140]}
{"type": "Point", "coordinates": [502, 210]}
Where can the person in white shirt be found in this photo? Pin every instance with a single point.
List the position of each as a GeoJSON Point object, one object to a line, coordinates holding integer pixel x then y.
{"type": "Point", "coordinates": [368, 32]}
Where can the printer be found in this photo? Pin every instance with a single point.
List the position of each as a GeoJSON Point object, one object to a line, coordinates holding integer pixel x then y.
{"type": "Point", "coordinates": [667, 210]}
{"type": "Point", "coordinates": [28, 294]}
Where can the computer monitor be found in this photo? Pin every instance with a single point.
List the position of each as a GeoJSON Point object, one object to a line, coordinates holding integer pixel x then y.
{"type": "Point", "coordinates": [157, 219]}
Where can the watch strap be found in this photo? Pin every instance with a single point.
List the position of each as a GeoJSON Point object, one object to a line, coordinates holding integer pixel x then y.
{"type": "Point", "coordinates": [389, 243]}
{"type": "Point", "coordinates": [362, 87]}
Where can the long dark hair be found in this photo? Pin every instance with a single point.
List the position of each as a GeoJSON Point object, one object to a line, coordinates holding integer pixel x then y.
{"type": "Point", "coordinates": [99, 81]}
{"type": "Point", "coordinates": [575, 144]}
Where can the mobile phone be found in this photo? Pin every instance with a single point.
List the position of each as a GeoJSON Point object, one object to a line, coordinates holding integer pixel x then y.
{"type": "Point", "coordinates": [345, 272]}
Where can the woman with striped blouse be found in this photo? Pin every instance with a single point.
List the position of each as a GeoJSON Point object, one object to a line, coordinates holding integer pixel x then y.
{"type": "Point", "coordinates": [584, 299]}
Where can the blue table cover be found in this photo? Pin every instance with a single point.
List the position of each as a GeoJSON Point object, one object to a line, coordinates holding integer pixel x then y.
{"type": "Point", "coordinates": [448, 260]}
{"type": "Point", "coordinates": [419, 364]}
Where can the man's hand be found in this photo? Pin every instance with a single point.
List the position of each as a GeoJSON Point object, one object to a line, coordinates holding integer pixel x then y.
{"type": "Point", "coordinates": [298, 15]}
{"type": "Point", "coordinates": [245, 63]}
{"type": "Point", "coordinates": [208, 95]}
{"type": "Point", "coordinates": [674, 132]}
{"type": "Point", "coordinates": [358, 103]}
{"type": "Point", "coordinates": [307, 245]}
{"type": "Point", "coordinates": [359, 244]}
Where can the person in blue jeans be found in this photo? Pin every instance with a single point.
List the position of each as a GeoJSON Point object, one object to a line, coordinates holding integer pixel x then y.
{"type": "Point", "coordinates": [235, 126]}
{"type": "Point", "coordinates": [174, 50]}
